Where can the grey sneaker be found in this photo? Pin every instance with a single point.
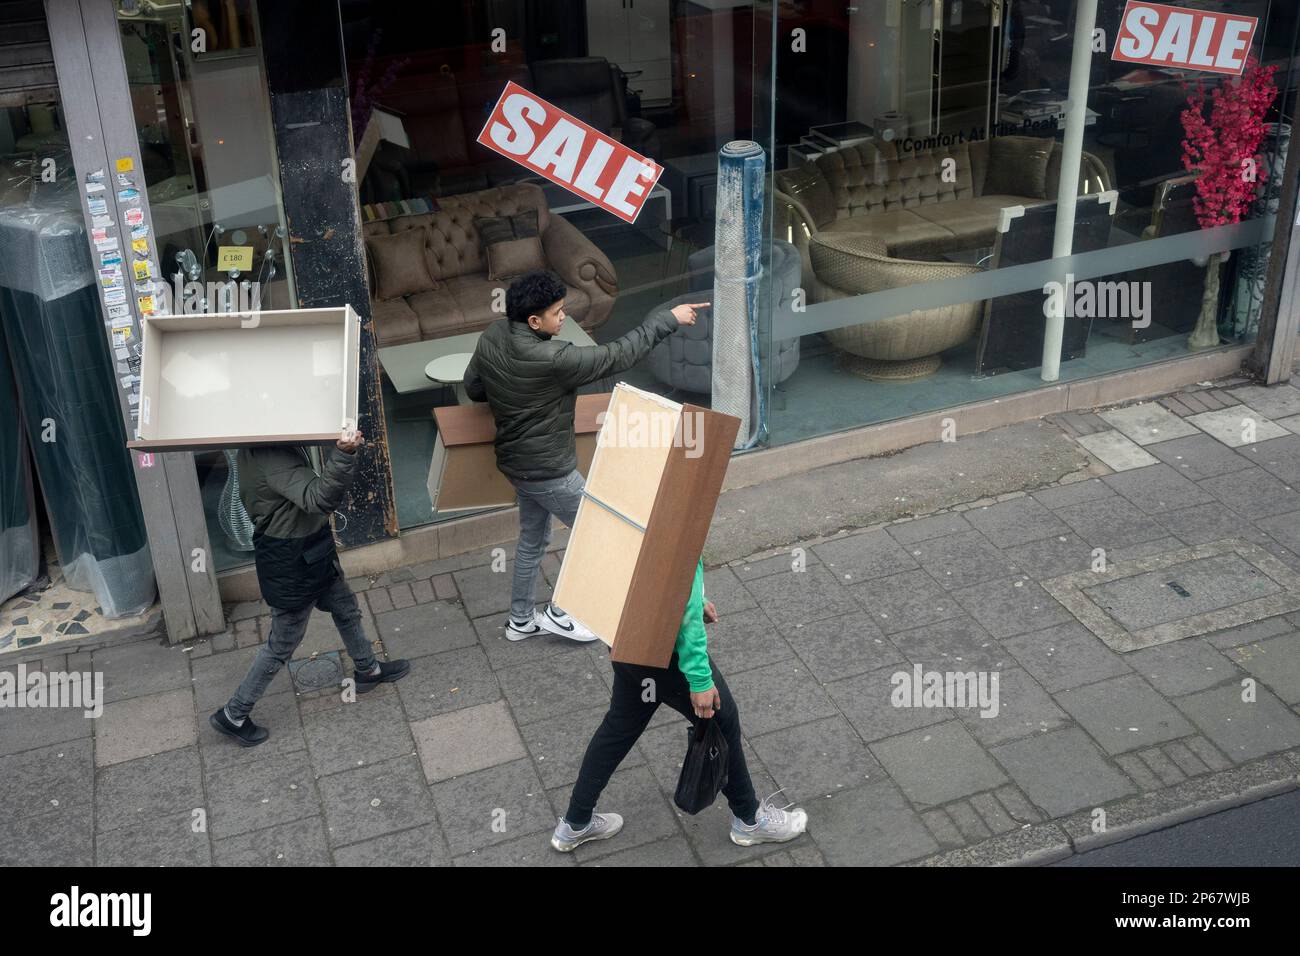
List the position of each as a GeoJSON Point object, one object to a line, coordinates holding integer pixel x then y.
{"type": "Point", "coordinates": [602, 827]}
{"type": "Point", "coordinates": [772, 824]}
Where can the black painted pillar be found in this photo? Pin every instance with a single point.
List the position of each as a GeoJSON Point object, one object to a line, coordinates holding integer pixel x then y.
{"type": "Point", "coordinates": [306, 74]}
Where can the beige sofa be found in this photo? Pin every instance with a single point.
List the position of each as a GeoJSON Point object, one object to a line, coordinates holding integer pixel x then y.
{"type": "Point", "coordinates": [872, 217]}
{"type": "Point", "coordinates": [902, 198]}
{"type": "Point", "coordinates": [899, 347]}
{"type": "Point", "coordinates": [462, 296]}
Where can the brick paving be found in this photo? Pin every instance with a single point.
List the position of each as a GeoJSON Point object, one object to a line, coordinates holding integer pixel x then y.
{"type": "Point", "coordinates": [469, 760]}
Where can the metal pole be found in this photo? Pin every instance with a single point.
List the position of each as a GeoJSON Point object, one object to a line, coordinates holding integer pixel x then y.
{"type": "Point", "coordinates": [1076, 114]}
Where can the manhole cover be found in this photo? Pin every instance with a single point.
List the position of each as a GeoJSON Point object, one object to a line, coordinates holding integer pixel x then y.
{"type": "Point", "coordinates": [1184, 593]}
{"type": "Point", "coordinates": [317, 672]}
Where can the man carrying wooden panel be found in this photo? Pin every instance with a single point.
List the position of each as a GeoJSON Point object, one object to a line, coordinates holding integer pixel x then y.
{"type": "Point", "coordinates": [692, 686]}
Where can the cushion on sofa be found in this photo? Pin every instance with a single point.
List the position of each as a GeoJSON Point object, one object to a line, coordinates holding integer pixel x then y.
{"type": "Point", "coordinates": [515, 257]}
{"type": "Point", "coordinates": [438, 313]}
{"type": "Point", "coordinates": [1018, 166]}
{"type": "Point", "coordinates": [399, 264]}
{"type": "Point", "coordinates": [395, 322]}
{"type": "Point", "coordinates": [973, 223]}
{"type": "Point", "coordinates": [874, 176]}
{"type": "Point", "coordinates": [511, 244]}
{"type": "Point", "coordinates": [454, 244]}
{"type": "Point", "coordinates": [905, 232]}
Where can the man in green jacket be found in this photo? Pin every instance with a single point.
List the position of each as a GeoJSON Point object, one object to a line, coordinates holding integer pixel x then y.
{"type": "Point", "coordinates": [691, 685]}
{"type": "Point", "coordinates": [298, 569]}
{"type": "Point", "coordinates": [530, 379]}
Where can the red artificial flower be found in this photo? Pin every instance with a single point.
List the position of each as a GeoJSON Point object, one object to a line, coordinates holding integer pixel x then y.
{"type": "Point", "coordinates": [1222, 147]}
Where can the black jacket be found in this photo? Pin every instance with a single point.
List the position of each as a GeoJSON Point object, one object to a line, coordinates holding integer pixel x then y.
{"type": "Point", "coordinates": [289, 504]}
{"type": "Point", "coordinates": [530, 380]}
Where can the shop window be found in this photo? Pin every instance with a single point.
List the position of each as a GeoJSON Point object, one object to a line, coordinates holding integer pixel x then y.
{"type": "Point", "coordinates": [923, 191]}
{"type": "Point", "coordinates": [672, 80]}
{"type": "Point", "coordinates": [198, 92]}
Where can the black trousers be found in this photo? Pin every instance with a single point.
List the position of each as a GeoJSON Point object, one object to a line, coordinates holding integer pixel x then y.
{"type": "Point", "coordinates": [638, 692]}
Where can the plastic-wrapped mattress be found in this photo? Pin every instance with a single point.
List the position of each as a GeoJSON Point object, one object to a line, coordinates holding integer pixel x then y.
{"type": "Point", "coordinates": [19, 542]}
{"type": "Point", "coordinates": [64, 375]}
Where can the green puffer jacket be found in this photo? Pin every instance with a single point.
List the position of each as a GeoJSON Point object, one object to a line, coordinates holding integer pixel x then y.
{"type": "Point", "coordinates": [530, 380]}
{"type": "Point", "coordinates": [289, 505]}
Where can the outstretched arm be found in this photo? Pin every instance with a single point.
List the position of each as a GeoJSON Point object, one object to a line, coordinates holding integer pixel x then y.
{"type": "Point", "coordinates": [578, 365]}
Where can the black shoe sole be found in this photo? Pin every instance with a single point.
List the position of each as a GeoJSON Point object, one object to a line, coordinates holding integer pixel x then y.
{"type": "Point", "coordinates": [365, 687]}
{"type": "Point", "coordinates": [242, 741]}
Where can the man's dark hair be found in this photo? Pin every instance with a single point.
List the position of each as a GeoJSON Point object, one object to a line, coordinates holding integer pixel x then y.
{"type": "Point", "coordinates": [533, 294]}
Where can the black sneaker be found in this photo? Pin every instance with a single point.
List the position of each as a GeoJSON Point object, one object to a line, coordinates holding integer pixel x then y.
{"type": "Point", "coordinates": [389, 671]}
{"type": "Point", "coordinates": [248, 733]}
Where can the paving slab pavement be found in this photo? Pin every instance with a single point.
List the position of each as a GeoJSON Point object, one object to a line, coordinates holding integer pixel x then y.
{"type": "Point", "coordinates": [905, 659]}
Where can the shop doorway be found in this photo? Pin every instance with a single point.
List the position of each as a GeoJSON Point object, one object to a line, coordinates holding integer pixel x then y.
{"type": "Point", "coordinates": [73, 550]}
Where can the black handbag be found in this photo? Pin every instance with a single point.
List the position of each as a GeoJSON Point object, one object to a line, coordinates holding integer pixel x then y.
{"type": "Point", "coordinates": [704, 771]}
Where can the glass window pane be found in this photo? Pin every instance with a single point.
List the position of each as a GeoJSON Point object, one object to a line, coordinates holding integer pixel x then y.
{"type": "Point", "coordinates": [925, 171]}
{"type": "Point", "coordinates": [198, 90]}
{"type": "Point", "coordinates": [671, 81]}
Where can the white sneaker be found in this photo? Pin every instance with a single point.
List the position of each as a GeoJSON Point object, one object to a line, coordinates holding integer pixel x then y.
{"type": "Point", "coordinates": [552, 620]}
{"type": "Point", "coordinates": [557, 622]}
{"type": "Point", "coordinates": [602, 827]}
{"type": "Point", "coordinates": [517, 631]}
{"type": "Point", "coordinates": [772, 824]}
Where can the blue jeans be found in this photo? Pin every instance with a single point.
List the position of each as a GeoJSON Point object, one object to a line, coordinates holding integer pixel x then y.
{"type": "Point", "coordinates": [538, 501]}
{"type": "Point", "coordinates": [287, 630]}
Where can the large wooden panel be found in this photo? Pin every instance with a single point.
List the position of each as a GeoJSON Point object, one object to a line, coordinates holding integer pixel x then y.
{"type": "Point", "coordinates": [630, 562]}
{"type": "Point", "coordinates": [674, 540]}
{"type": "Point", "coordinates": [596, 576]}
{"type": "Point", "coordinates": [635, 440]}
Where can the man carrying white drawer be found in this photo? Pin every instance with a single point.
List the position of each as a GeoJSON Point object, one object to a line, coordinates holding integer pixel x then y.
{"type": "Point", "coordinates": [298, 569]}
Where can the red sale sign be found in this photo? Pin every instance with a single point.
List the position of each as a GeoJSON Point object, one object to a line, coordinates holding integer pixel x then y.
{"type": "Point", "coordinates": [548, 141]}
{"type": "Point", "coordinates": [1161, 35]}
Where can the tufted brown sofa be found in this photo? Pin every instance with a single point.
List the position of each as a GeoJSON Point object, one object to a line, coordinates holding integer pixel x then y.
{"type": "Point", "coordinates": [902, 199]}
{"type": "Point", "coordinates": [463, 296]}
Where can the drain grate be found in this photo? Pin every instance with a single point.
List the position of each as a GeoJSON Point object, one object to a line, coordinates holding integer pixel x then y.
{"type": "Point", "coordinates": [317, 673]}
{"type": "Point", "coordinates": [1218, 585]}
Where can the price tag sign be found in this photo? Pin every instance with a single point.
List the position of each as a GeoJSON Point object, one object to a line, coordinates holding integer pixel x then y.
{"type": "Point", "coordinates": [234, 257]}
